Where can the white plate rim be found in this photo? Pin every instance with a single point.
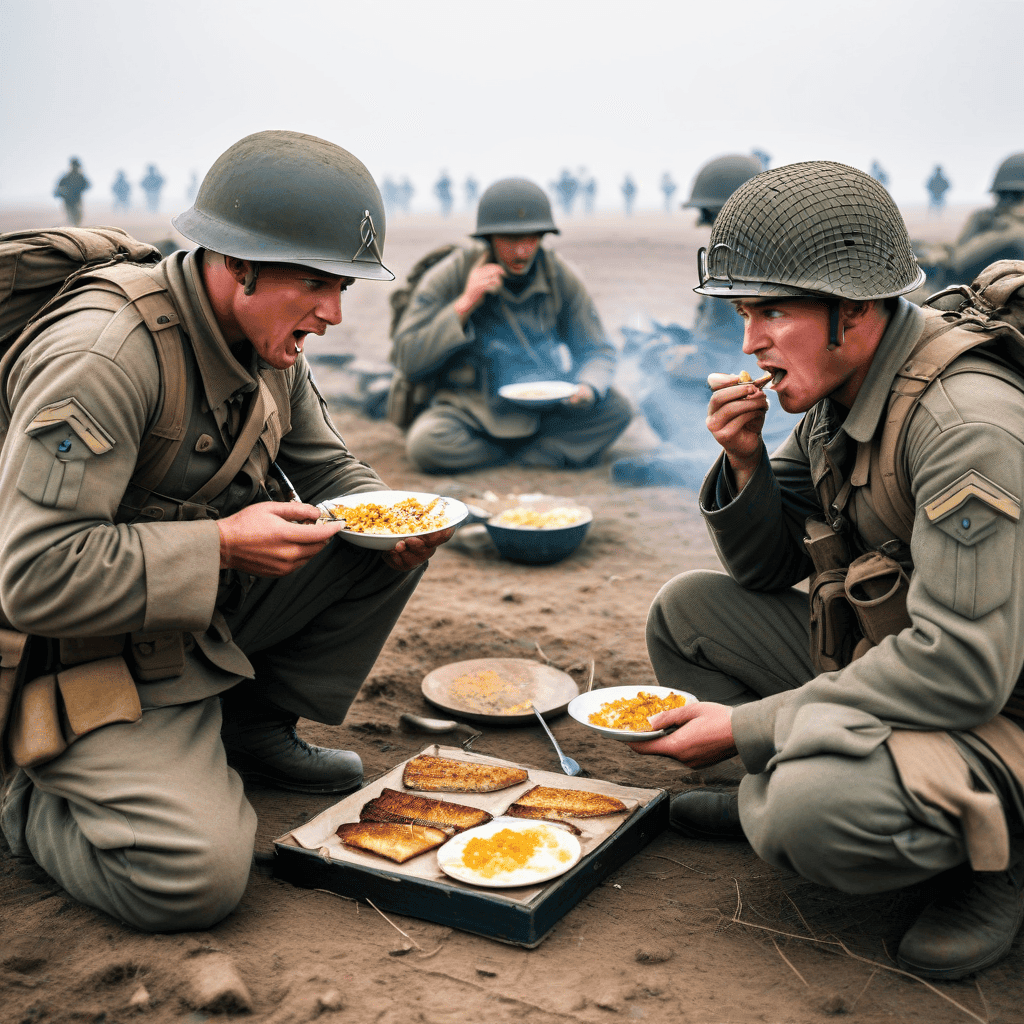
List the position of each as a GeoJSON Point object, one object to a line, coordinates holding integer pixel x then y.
{"type": "Point", "coordinates": [557, 395]}
{"type": "Point", "coordinates": [608, 693]}
{"type": "Point", "coordinates": [364, 497]}
{"type": "Point", "coordinates": [517, 824]}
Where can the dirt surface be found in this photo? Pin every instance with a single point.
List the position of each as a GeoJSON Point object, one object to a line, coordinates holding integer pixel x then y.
{"type": "Point", "coordinates": [683, 932]}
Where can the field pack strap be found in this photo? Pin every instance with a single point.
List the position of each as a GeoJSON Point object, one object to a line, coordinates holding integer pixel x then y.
{"type": "Point", "coordinates": [239, 454]}
{"type": "Point", "coordinates": [153, 303]}
{"type": "Point", "coordinates": [932, 354]}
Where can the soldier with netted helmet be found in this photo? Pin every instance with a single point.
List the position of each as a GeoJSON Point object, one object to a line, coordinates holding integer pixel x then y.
{"type": "Point", "coordinates": [877, 713]}
{"type": "Point", "coordinates": [212, 607]}
{"type": "Point", "coordinates": [499, 312]}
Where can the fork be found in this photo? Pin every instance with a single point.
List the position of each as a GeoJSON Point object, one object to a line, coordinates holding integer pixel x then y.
{"type": "Point", "coordinates": [569, 766]}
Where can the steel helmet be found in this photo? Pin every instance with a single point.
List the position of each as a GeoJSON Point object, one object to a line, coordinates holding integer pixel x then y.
{"type": "Point", "coordinates": [1010, 176]}
{"type": "Point", "coordinates": [514, 206]}
{"type": "Point", "coordinates": [810, 229]}
{"type": "Point", "coordinates": [719, 178]}
{"type": "Point", "coordinates": [284, 197]}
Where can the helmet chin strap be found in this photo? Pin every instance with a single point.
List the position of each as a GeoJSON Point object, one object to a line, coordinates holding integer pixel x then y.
{"type": "Point", "coordinates": [249, 284]}
{"type": "Point", "coordinates": [834, 339]}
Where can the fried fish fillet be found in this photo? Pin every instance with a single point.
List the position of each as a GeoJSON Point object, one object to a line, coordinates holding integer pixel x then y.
{"type": "Point", "coordinates": [390, 839]}
{"type": "Point", "coordinates": [444, 775]}
{"type": "Point", "coordinates": [548, 802]}
{"type": "Point", "coordinates": [421, 810]}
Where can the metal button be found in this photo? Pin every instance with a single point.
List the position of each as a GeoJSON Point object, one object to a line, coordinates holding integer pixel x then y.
{"type": "Point", "coordinates": [965, 523]}
{"type": "Point", "coordinates": [65, 445]}
{"type": "Point", "coordinates": [205, 443]}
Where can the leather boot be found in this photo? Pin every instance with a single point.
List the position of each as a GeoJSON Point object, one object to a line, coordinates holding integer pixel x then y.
{"type": "Point", "coordinates": [970, 927]}
{"type": "Point", "coordinates": [711, 813]}
{"type": "Point", "coordinates": [262, 746]}
{"type": "Point", "coordinates": [14, 814]}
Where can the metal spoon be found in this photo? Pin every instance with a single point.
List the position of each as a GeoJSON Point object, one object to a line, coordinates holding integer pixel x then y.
{"type": "Point", "coordinates": [569, 766]}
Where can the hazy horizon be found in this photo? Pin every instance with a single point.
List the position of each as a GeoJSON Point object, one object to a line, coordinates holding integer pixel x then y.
{"type": "Point", "coordinates": [421, 89]}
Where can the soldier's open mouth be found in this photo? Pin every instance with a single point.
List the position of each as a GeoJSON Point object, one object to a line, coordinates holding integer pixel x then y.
{"type": "Point", "coordinates": [777, 376]}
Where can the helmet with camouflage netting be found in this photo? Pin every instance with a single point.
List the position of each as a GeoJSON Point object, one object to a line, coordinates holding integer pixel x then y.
{"type": "Point", "coordinates": [514, 206]}
{"type": "Point", "coordinates": [717, 180]}
{"type": "Point", "coordinates": [1010, 175]}
{"type": "Point", "coordinates": [811, 229]}
{"type": "Point", "coordinates": [284, 197]}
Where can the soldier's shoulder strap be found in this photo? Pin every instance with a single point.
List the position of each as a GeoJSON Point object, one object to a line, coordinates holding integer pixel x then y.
{"type": "Point", "coordinates": [148, 301]}
{"type": "Point", "coordinates": [946, 337]}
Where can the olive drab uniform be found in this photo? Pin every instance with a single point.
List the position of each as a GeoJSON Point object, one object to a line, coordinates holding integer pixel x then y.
{"type": "Point", "coordinates": [862, 737]}
{"type": "Point", "coordinates": [142, 818]}
{"type": "Point", "coordinates": [549, 330]}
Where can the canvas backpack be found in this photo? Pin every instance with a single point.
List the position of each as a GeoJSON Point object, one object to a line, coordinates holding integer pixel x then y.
{"type": "Point", "coordinates": [990, 309]}
{"type": "Point", "coordinates": [407, 399]}
{"type": "Point", "coordinates": [39, 268]}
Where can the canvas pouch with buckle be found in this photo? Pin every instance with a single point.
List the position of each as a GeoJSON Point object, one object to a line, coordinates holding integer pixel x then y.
{"type": "Point", "coordinates": [53, 710]}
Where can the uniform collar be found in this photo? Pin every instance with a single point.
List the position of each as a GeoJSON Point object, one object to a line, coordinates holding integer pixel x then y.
{"type": "Point", "coordinates": [223, 375]}
{"type": "Point", "coordinates": [900, 336]}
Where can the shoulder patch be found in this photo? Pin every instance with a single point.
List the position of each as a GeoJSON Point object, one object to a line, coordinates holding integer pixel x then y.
{"type": "Point", "coordinates": [70, 412]}
{"type": "Point", "coordinates": [972, 485]}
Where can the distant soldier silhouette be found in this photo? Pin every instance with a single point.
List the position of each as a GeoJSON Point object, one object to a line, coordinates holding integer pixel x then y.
{"type": "Point", "coordinates": [937, 186]}
{"type": "Point", "coordinates": [443, 191]}
{"type": "Point", "coordinates": [391, 194]}
{"type": "Point", "coordinates": [122, 192]}
{"type": "Point", "coordinates": [668, 187]}
{"type": "Point", "coordinates": [472, 188]}
{"type": "Point", "coordinates": [565, 189]}
{"type": "Point", "coordinates": [589, 189]}
{"type": "Point", "coordinates": [628, 194]}
{"type": "Point", "coordinates": [878, 172]}
{"type": "Point", "coordinates": [151, 184]}
{"type": "Point", "coordinates": [193, 187]}
{"type": "Point", "coordinates": [70, 189]}
{"type": "Point", "coordinates": [405, 193]}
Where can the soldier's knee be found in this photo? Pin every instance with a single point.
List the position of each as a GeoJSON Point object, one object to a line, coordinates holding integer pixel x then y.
{"type": "Point", "coordinates": [811, 822]}
{"type": "Point", "coordinates": [695, 589]}
{"type": "Point", "coordinates": [431, 440]}
{"type": "Point", "coordinates": [194, 891]}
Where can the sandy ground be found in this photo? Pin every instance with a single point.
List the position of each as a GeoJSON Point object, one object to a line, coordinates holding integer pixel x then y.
{"type": "Point", "coordinates": [683, 932]}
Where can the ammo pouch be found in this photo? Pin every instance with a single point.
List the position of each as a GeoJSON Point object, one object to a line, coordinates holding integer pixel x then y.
{"type": "Point", "coordinates": [854, 604]}
{"type": "Point", "coordinates": [53, 710]}
{"type": "Point", "coordinates": [853, 609]}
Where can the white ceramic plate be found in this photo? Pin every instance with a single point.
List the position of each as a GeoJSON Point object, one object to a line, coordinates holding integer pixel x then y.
{"type": "Point", "coordinates": [583, 706]}
{"type": "Point", "coordinates": [538, 393]}
{"type": "Point", "coordinates": [455, 513]}
{"type": "Point", "coordinates": [559, 851]}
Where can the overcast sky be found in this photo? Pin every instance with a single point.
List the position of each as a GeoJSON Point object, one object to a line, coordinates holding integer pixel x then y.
{"type": "Point", "coordinates": [491, 90]}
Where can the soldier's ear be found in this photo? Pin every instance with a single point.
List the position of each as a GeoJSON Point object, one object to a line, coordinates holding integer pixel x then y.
{"type": "Point", "coordinates": [238, 269]}
{"type": "Point", "coordinates": [853, 311]}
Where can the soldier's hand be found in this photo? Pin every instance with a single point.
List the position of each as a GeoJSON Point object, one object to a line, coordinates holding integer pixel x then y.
{"type": "Point", "coordinates": [407, 554]}
{"type": "Point", "coordinates": [735, 418]}
{"type": "Point", "coordinates": [273, 538]}
{"type": "Point", "coordinates": [704, 736]}
{"type": "Point", "coordinates": [583, 397]}
{"type": "Point", "coordinates": [484, 279]}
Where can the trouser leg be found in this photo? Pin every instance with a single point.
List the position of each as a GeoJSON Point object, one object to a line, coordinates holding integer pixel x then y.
{"type": "Point", "coordinates": [846, 822]}
{"type": "Point", "coordinates": [440, 441]}
{"type": "Point", "coordinates": [144, 820]}
{"type": "Point", "coordinates": [314, 635]}
{"type": "Point", "coordinates": [710, 637]}
{"type": "Point", "coordinates": [574, 438]}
